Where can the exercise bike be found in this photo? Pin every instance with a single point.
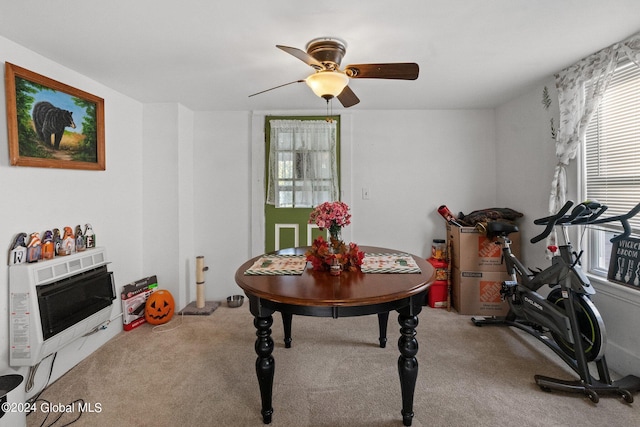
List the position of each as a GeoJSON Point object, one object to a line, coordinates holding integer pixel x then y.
{"type": "Point", "coordinates": [566, 320]}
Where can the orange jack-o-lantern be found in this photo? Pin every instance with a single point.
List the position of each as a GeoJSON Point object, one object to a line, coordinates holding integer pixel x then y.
{"type": "Point", "coordinates": [159, 307]}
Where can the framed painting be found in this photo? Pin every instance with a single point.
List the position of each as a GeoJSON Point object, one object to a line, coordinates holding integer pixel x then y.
{"type": "Point", "coordinates": [51, 124]}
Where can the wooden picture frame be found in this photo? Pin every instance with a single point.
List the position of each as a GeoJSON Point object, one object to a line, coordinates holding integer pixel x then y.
{"type": "Point", "coordinates": [51, 124]}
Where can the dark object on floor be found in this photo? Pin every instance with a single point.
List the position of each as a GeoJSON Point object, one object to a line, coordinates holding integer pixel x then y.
{"type": "Point", "coordinates": [209, 307]}
{"type": "Point", "coordinates": [235, 300]}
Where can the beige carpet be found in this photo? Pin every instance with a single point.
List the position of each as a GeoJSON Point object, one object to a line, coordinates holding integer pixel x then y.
{"type": "Point", "coordinates": [201, 372]}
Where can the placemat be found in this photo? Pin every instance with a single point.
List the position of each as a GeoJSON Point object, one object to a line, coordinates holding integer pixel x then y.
{"type": "Point", "coordinates": [389, 263]}
{"type": "Point", "coordinates": [277, 265]}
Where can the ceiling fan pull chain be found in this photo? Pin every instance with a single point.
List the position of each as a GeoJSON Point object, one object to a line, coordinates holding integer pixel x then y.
{"type": "Point", "coordinates": [329, 118]}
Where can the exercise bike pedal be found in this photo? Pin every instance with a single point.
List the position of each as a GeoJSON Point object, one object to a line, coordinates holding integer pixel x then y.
{"type": "Point", "coordinates": [508, 288]}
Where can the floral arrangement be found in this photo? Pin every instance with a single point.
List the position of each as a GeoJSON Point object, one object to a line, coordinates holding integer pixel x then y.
{"type": "Point", "coordinates": [331, 215]}
{"type": "Point", "coordinates": [323, 254]}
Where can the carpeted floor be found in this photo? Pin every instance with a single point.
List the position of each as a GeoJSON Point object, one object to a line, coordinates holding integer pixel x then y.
{"type": "Point", "coordinates": [200, 371]}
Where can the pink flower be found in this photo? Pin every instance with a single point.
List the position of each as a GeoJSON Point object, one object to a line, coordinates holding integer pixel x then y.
{"type": "Point", "coordinates": [330, 214]}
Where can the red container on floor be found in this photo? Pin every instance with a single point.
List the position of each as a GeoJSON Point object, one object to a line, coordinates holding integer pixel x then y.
{"type": "Point", "coordinates": [437, 296]}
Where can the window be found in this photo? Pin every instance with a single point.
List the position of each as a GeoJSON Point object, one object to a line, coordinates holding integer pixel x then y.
{"type": "Point", "coordinates": [302, 170]}
{"type": "Point", "coordinates": [612, 158]}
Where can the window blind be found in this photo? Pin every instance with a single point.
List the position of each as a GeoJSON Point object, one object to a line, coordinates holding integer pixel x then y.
{"type": "Point", "coordinates": [612, 146]}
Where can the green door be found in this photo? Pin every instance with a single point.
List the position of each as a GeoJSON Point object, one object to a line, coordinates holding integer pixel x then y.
{"type": "Point", "coordinates": [287, 216]}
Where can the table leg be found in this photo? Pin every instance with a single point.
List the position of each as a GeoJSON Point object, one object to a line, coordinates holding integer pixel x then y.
{"type": "Point", "coordinates": [383, 320]}
{"type": "Point", "coordinates": [265, 364]}
{"type": "Point", "coordinates": [407, 363]}
{"type": "Point", "coordinates": [286, 322]}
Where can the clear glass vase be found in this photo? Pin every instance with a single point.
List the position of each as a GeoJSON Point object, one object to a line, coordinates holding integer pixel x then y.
{"type": "Point", "coordinates": [335, 237]}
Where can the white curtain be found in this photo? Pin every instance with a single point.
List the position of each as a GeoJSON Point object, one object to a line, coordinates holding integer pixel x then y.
{"type": "Point", "coordinates": [302, 163]}
{"type": "Point", "coordinates": [580, 89]}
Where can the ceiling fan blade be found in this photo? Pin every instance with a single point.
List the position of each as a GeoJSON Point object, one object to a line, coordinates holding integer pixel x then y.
{"type": "Point", "coordinates": [347, 98]}
{"type": "Point", "coordinates": [275, 87]}
{"type": "Point", "coordinates": [398, 70]}
{"type": "Point", "coordinates": [302, 56]}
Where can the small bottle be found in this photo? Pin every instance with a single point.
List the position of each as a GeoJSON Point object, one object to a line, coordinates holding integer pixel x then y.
{"type": "Point", "coordinates": [335, 269]}
{"type": "Point", "coordinates": [438, 249]}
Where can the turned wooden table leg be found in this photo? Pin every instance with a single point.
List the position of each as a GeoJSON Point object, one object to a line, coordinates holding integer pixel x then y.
{"type": "Point", "coordinates": [286, 323]}
{"type": "Point", "coordinates": [265, 364]}
{"type": "Point", "coordinates": [383, 320]}
{"type": "Point", "coordinates": [407, 363]}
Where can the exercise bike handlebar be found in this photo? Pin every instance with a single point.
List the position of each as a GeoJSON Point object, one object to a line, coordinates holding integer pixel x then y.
{"type": "Point", "coordinates": [624, 220]}
{"type": "Point", "coordinates": [588, 212]}
{"type": "Point", "coordinates": [551, 221]}
{"type": "Point", "coordinates": [596, 210]}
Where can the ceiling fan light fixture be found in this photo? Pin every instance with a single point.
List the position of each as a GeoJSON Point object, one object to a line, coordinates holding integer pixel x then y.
{"type": "Point", "coordinates": [327, 84]}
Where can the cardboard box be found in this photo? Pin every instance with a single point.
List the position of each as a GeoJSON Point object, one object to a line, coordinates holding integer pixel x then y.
{"type": "Point", "coordinates": [474, 251]}
{"type": "Point", "coordinates": [134, 297]}
{"type": "Point", "coordinates": [478, 292]}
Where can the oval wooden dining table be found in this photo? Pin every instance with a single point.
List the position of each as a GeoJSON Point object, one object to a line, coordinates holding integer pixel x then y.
{"type": "Point", "coordinates": [320, 294]}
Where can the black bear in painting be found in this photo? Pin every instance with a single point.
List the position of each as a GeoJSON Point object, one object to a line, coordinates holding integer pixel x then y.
{"type": "Point", "coordinates": [50, 120]}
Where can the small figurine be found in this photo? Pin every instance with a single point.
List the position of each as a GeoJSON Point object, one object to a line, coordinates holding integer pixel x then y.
{"type": "Point", "coordinates": [80, 245]}
{"type": "Point", "coordinates": [48, 249]}
{"type": "Point", "coordinates": [34, 248]}
{"type": "Point", "coordinates": [68, 242]}
{"type": "Point", "coordinates": [57, 241]}
{"type": "Point", "coordinates": [89, 236]}
{"type": "Point", "coordinates": [18, 252]}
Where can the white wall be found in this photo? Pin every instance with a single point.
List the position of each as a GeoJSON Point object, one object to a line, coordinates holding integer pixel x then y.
{"type": "Point", "coordinates": [37, 199]}
{"type": "Point", "coordinates": [411, 162]}
{"type": "Point", "coordinates": [526, 155]}
{"type": "Point", "coordinates": [167, 165]}
{"type": "Point", "coordinates": [222, 172]}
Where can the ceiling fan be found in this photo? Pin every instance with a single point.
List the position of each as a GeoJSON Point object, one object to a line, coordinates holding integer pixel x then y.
{"type": "Point", "coordinates": [324, 55]}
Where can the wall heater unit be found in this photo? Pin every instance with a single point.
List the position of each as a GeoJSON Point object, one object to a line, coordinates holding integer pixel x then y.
{"type": "Point", "coordinates": [53, 302]}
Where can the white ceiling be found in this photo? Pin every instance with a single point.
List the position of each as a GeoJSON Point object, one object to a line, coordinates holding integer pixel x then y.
{"type": "Point", "coordinates": [211, 54]}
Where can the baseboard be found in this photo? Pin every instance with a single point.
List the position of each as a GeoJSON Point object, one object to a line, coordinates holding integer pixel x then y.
{"type": "Point", "coordinates": [621, 360]}
{"type": "Point", "coordinates": [614, 290]}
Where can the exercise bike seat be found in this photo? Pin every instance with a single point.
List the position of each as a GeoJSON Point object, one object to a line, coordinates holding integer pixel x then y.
{"type": "Point", "coordinates": [497, 228]}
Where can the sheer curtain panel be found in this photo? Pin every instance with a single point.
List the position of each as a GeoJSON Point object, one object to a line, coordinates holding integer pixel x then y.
{"type": "Point", "coordinates": [302, 163]}
{"type": "Point", "coordinates": [580, 89]}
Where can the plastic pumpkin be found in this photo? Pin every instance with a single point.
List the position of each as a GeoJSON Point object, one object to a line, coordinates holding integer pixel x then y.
{"type": "Point", "coordinates": [159, 307]}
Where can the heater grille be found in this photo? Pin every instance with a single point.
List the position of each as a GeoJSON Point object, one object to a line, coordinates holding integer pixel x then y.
{"type": "Point", "coordinates": [63, 304]}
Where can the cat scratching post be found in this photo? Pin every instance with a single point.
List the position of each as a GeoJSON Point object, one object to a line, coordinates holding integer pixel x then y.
{"type": "Point", "coordinates": [200, 306]}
